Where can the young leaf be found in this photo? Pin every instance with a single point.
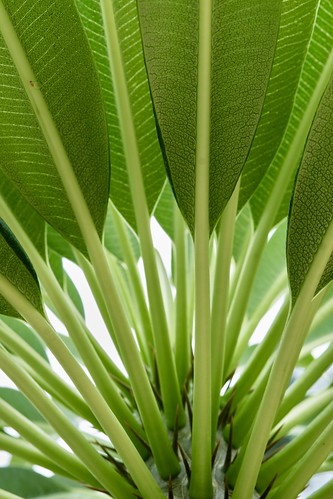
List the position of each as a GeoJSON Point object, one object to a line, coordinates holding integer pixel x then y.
{"type": "Point", "coordinates": [142, 110]}
{"type": "Point", "coordinates": [243, 36]}
{"type": "Point", "coordinates": [296, 24]}
{"type": "Point", "coordinates": [52, 111]}
{"type": "Point", "coordinates": [315, 64]}
{"type": "Point", "coordinates": [17, 268]}
{"type": "Point", "coordinates": [311, 211]}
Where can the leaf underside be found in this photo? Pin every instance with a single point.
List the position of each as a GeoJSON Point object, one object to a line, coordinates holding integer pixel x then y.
{"type": "Point", "coordinates": [57, 51]}
{"type": "Point", "coordinates": [312, 206]}
{"type": "Point", "coordinates": [243, 43]}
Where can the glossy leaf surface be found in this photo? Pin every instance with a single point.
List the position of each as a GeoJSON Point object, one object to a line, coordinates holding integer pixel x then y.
{"type": "Point", "coordinates": [55, 51]}
{"type": "Point", "coordinates": [243, 36]}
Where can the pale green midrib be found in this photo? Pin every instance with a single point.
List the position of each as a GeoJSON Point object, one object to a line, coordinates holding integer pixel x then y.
{"type": "Point", "coordinates": [201, 481]}
{"type": "Point", "coordinates": [72, 188]}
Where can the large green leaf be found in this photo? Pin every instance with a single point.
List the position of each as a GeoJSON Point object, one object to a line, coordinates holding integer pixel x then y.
{"type": "Point", "coordinates": [28, 483]}
{"type": "Point", "coordinates": [59, 101]}
{"type": "Point", "coordinates": [312, 207]}
{"type": "Point", "coordinates": [27, 334]}
{"type": "Point", "coordinates": [142, 110]}
{"type": "Point", "coordinates": [243, 37]}
{"type": "Point", "coordinates": [319, 48]}
{"type": "Point", "coordinates": [17, 269]}
{"type": "Point", "coordinates": [296, 24]}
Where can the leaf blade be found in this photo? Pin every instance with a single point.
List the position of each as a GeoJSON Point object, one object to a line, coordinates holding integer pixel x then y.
{"type": "Point", "coordinates": [49, 62]}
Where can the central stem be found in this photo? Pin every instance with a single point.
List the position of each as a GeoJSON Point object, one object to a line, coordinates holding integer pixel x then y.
{"type": "Point", "coordinates": [201, 482]}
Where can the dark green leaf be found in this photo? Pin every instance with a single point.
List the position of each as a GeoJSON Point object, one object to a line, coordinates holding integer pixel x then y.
{"type": "Point", "coordinates": [317, 51]}
{"type": "Point", "coordinates": [28, 483]}
{"type": "Point", "coordinates": [57, 52]}
{"type": "Point", "coordinates": [296, 24]}
{"type": "Point", "coordinates": [243, 40]}
{"type": "Point", "coordinates": [142, 111]}
{"type": "Point", "coordinates": [17, 268]}
{"type": "Point", "coordinates": [312, 206]}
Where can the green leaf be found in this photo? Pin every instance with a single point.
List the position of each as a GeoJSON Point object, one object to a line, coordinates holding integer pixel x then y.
{"type": "Point", "coordinates": [243, 232]}
{"type": "Point", "coordinates": [317, 55]}
{"type": "Point", "coordinates": [243, 36]}
{"type": "Point", "coordinates": [52, 109]}
{"type": "Point", "coordinates": [21, 404]}
{"type": "Point", "coordinates": [142, 110]}
{"type": "Point", "coordinates": [27, 334]}
{"type": "Point", "coordinates": [28, 483]}
{"type": "Point", "coordinates": [271, 268]}
{"type": "Point", "coordinates": [312, 206]}
{"type": "Point", "coordinates": [164, 210]}
{"type": "Point", "coordinates": [297, 18]}
{"type": "Point", "coordinates": [112, 241]}
{"type": "Point", "coordinates": [17, 268]}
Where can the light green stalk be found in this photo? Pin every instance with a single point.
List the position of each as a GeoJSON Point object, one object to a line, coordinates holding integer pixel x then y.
{"type": "Point", "coordinates": [48, 379]}
{"type": "Point", "coordinates": [284, 364]}
{"type": "Point", "coordinates": [102, 470]}
{"type": "Point", "coordinates": [171, 396]}
{"type": "Point", "coordinates": [110, 424]}
{"type": "Point", "coordinates": [201, 477]}
{"type": "Point", "coordinates": [220, 301]}
{"type": "Point", "coordinates": [182, 329]}
{"type": "Point", "coordinates": [165, 458]}
{"type": "Point", "coordinates": [37, 437]}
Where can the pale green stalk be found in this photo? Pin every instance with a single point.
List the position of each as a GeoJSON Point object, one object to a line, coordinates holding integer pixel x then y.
{"type": "Point", "coordinates": [325, 492]}
{"type": "Point", "coordinates": [27, 452]}
{"type": "Point", "coordinates": [305, 411]}
{"type": "Point", "coordinates": [201, 477]}
{"type": "Point", "coordinates": [136, 284]}
{"type": "Point", "coordinates": [182, 329]}
{"type": "Point", "coordinates": [284, 364]}
{"type": "Point", "coordinates": [39, 367]}
{"type": "Point", "coordinates": [220, 300]}
{"type": "Point", "coordinates": [110, 424]}
{"type": "Point", "coordinates": [261, 355]}
{"type": "Point", "coordinates": [246, 278]}
{"type": "Point", "coordinates": [101, 470]}
{"type": "Point", "coordinates": [298, 389]}
{"type": "Point", "coordinates": [158, 438]}
{"type": "Point", "coordinates": [45, 444]}
{"type": "Point", "coordinates": [279, 287]}
{"type": "Point", "coordinates": [170, 392]}
{"type": "Point", "coordinates": [83, 344]}
{"type": "Point", "coordinates": [8, 495]}
{"type": "Point", "coordinates": [298, 477]}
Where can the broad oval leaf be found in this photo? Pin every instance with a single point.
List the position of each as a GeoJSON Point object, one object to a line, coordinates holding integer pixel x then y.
{"type": "Point", "coordinates": [243, 36]}
{"type": "Point", "coordinates": [19, 402]}
{"type": "Point", "coordinates": [312, 207]}
{"type": "Point", "coordinates": [315, 63]}
{"type": "Point", "coordinates": [18, 270]}
{"type": "Point", "coordinates": [296, 24]}
{"type": "Point", "coordinates": [142, 110]}
{"type": "Point", "coordinates": [46, 39]}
